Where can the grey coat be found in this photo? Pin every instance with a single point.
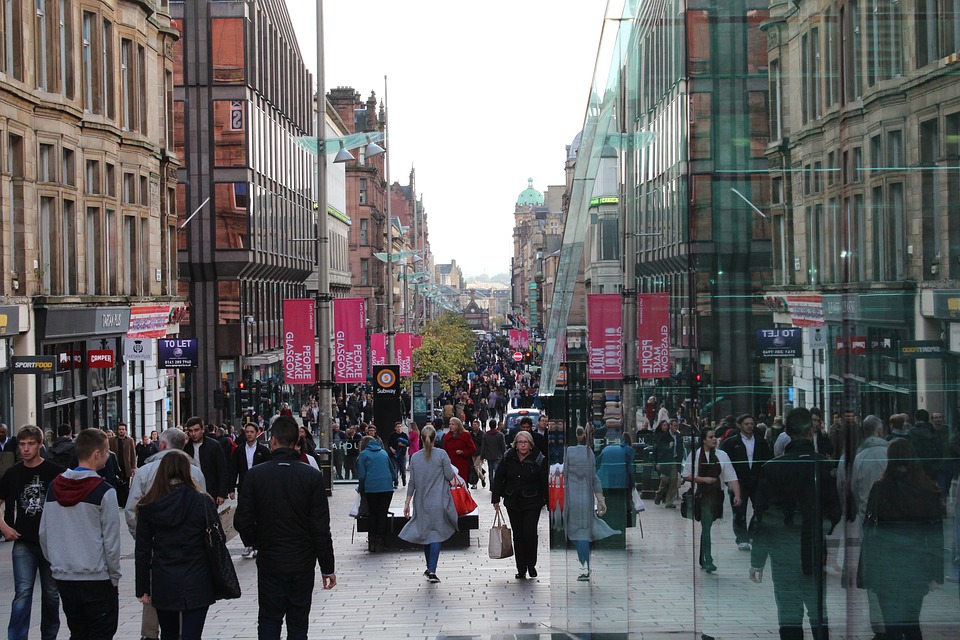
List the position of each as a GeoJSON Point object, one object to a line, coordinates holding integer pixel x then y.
{"type": "Point", "coordinates": [434, 517]}
{"type": "Point", "coordinates": [581, 483]}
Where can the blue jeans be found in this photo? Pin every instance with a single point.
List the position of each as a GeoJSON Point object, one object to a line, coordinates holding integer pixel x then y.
{"type": "Point", "coordinates": [431, 553]}
{"type": "Point", "coordinates": [28, 560]}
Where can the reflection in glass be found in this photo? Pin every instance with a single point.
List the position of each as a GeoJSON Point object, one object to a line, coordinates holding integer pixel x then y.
{"type": "Point", "coordinates": [232, 217]}
{"type": "Point", "coordinates": [227, 49]}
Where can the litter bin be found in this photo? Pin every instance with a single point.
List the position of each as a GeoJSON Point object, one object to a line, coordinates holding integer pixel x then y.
{"type": "Point", "coordinates": [325, 460]}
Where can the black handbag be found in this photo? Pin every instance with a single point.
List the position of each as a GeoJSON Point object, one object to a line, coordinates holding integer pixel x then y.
{"type": "Point", "coordinates": [222, 572]}
{"type": "Point", "coordinates": [687, 501]}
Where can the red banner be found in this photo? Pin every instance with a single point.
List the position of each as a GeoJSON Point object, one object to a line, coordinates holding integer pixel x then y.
{"type": "Point", "coordinates": [349, 333]}
{"type": "Point", "coordinates": [404, 353]}
{"type": "Point", "coordinates": [299, 340]}
{"type": "Point", "coordinates": [149, 321]}
{"type": "Point", "coordinates": [524, 339]}
{"type": "Point", "coordinates": [653, 335]}
{"type": "Point", "coordinates": [604, 336]}
{"type": "Point", "coordinates": [416, 342]}
{"type": "Point", "coordinates": [378, 349]}
{"type": "Point", "coordinates": [514, 338]}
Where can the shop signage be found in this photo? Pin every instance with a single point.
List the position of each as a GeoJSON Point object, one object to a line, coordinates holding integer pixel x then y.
{"type": "Point", "coordinates": [349, 333]}
{"type": "Point", "coordinates": [378, 348]}
{"type": "Point", "coordinates": [779, 343]}
{"type": "Point", "coordinates": [918, 349]}
{"type": "Point", "coordinates": [149, 321]}
{"type": "Point", "coordinates": [176, 354]}
{"type": "Point", "coordinates": [67, 360]}
{"type": "Point", "coordinates": [857, 345]}
{"type": "Point", "coordinates": [653, 335]}
{"type": "Point", "coordinates": [806, 311]}
{"type": "Point", "coordinates": [33, 364]}
{"type": "Point", "coordinates": [946, 305]}
{"type": "Point", "coordinates": [83, 321]}
{"type": "Point", "coordinates": [386, 380]}
{"type": "Point", "coordinates": [9, 321]}
{"type": "Point", "coordinates": [818, 338]}
{"type": "Point", "coordinates": [137, 349]}
{"type": "Point", "coordinates": [112, 320]}
{"type": "Point", "coordinates": [604, 336]}
{"type": "Point", "coordinates": [298, 341]}
{"type": "Point", "coordinates": [100, 359]}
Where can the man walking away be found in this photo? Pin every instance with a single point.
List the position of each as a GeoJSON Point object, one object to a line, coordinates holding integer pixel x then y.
{"type": "Point", "coordinates": [493, 447]}
{"type": "Point", "coordinates": [87, 570]}
{"type": "Point", "coordinates": [170, 440]}
{"type": "Point", "coordinates": [126, 451]}
{"type": "Point", "coordinates": [61, 451]}
{"type": "Point", "coordinates": [209, 455]}
{"type": "Point", "coordinates": [25, 485]}
{"type": "Point", "coordinates": [283, 512]}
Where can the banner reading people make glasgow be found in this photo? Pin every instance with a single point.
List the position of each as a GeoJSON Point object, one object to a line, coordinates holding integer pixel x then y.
{"type": "Point", "coordinates": [404, 354]}
{"type": "Point", "coordinates": [349, 331]}
{"type": "Point", "coordinates": [604, 336]}
{"type": "Point", "coordinates": [653, 335]}
{"type": "Point", "coordinates": [299, 334]}
{"type": "Point", "coordinates": [378, 349]}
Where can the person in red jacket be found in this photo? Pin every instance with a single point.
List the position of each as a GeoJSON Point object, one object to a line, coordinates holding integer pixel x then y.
{"type": "Point", "coordinates": [460, 447]}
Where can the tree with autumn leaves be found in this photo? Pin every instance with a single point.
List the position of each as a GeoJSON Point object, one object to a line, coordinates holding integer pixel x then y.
{"type": "Point", "coordinates": [447, 349]}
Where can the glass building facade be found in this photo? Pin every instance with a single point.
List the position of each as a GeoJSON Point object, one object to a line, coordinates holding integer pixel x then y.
{"type": "Point", "coordinates": [788, 176]}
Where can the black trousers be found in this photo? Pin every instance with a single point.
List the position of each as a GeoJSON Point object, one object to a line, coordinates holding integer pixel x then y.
{"type": "Point", "coordinates": [524, 523]}
{"type": "Point", "coordinates": [92, 608]}
{"type": "Point", "coordinates": [748, 489]}
{"type": "Point", "coordinates": [284, 595]}
{"type": "Point", "coordinates": [379, 504]}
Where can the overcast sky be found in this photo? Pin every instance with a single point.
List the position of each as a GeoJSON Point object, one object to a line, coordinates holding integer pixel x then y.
{"type": "Point", "coordinates": [481, 97]}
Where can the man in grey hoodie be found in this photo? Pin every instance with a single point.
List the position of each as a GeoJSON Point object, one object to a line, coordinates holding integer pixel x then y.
{"type": "Point", "coordinates": [87, 570]}
{"type": "Point", "coordinates": [169, 440]}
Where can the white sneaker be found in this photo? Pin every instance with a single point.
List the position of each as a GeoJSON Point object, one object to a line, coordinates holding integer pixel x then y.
{"type": "Point", "coordinates": [248, 553]}
{"type": "Point", "coordinates": [744, 546]}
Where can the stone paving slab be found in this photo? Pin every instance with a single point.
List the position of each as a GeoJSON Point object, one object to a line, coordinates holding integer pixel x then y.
{"type": "Point", "coordinates": [653, 590]}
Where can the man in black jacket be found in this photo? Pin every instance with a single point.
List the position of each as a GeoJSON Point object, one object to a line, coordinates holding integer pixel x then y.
{"type": "Point", "coordinates": [283, 512]}
{"type": "Point", "coordinates": [747, 454]}
{"type": "Point", "coordinates": [209, 454]}
{"type": "Point", "coordinates": [795, 498]}
{"type": "Point", "coordinates": [243, 459]}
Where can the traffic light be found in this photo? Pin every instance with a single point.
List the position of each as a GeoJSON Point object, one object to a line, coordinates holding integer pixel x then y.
{"type": "Point", "coordinates": [695, 379]}
{"type": "Point", "coordinates": [243, 397]}
{"type": "Point", "coordinates": [528, 357]}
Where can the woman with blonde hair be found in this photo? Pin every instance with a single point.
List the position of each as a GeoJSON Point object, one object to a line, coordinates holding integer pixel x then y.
{"type": "Point", "coordinates": [521, 481]}
{"type": "Point", "coordinates": [460, 447]}
{"type": "Point", "coordinates": [434, 517]}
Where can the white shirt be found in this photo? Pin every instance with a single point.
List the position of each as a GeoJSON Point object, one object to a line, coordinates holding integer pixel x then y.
{"type": "Point", "coordinates": [250, 450]}
{"type": "Point", "coordinates": [782, 441]}
{"type": "Point", "coordinates": [749, 444]}
{"type": "Point", "coordinates": [196, 452]}
{"type": "Point", "coordinates": [727, 473]}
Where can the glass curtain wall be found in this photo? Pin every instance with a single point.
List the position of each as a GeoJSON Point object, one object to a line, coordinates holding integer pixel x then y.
{"type": "Point", "coordinates": [789, 179]}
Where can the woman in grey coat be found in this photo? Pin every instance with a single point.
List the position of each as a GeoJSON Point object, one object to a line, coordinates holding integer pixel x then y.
{"type": "Point", "coordinates": [434, 514]}
{"type": "Point", "coordinates": [581, 489]}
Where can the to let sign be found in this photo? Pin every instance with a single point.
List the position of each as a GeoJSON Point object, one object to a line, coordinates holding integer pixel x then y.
{"type": "Point", "coordinates": [779, 343]}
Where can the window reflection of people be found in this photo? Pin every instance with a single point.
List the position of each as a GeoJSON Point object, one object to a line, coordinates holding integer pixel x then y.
{"type": "Point", "coordinates": [794, 498]}
{"type": "Point", "coordinates": [902, 559]}
{"type": "Point", "coordinates": [581, 489]}
{"type": "Point", "coordinates": [708, 468]}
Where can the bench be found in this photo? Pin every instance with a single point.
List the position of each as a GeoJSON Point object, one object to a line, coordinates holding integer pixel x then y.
{"type": "Point", "coordinates": [460, 539]}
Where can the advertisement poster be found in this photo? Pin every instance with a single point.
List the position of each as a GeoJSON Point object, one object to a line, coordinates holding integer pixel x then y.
{"type": "Point", "coordinates": [653, 335]}
{"type": "Point", "coordinates": [378, 349]}
{"type": "Point", "coordinates": [299, 337]}
{"type": "Point", "coordinates": [604, 336]}
{"type": "Point", "coordinates": [404, 352]}
{"type": "Point", "coordinates": [349, 337]}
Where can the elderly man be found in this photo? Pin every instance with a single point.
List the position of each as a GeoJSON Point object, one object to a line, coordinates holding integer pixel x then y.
{"type": "Point", "coordinates": [170, 440]}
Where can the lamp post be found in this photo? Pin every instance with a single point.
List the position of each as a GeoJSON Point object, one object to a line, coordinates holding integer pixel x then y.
{"type": "Point", "coordinates": [391, 331]}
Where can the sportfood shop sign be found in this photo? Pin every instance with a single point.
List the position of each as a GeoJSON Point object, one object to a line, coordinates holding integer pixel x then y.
{"type": "Point", "coordinates": [33, 364]}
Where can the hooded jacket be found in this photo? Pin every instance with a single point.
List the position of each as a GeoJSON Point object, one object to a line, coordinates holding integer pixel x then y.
{"type": "Point", "coordinates": [375, 470]}
{"type": "Point", "coordinates": [81, 502]}
{"type": "Point", "coordinates": [171, 554]}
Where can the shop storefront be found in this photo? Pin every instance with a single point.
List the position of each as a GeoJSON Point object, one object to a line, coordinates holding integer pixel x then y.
{"type": "Point", "coordinates": [87, 387]}
{"type": "Point", "coordinates": [9, 329]}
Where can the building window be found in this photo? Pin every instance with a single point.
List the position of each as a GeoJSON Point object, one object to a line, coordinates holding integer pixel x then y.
{"type": "Point", "coordinates": [833, 57]}
{"type": "Point", "coordinates": [107, 68]}
{"type": "Point", "coordinates": [363, 191]}
{"type": "Point", "coordinates": [69, 169]}
{"type": "Point", "coordinates": [70, 258]}
{"type": "Point", "coordinates": [895, 150]}
{"type": "Point", "coordinates": [110, 178]}
{"type": "Point", "coordinates": [927, 35]}
{"type": "Point", "coordinates": [364, 232]}
{"type": "Point", "coordinates": [140, 121]}
{"type": "Point", "coordinates": [41, 42]}
{"type": "Point", "coordinates": [876, 154]}
{"type": "Point", "coordinates": [831, 168]}
{"type": "Point", "coordinates": [127, 85]}
{"type": "Point", "coordinates": [364, 272]}
{"type": "Point", "coordinates": [129, 188]}
{"type": "Point", "coordinates": [776, 100]}
{"type": "Point", "coordinates": [45, 232]}
{"type": "Point", "coordinates": [143, 256]}
{"type": "Point", "coordinates": [169, 120]}
{"type": "Point", "coordinates": [12, 39]}
{"type": "Point", "coordinates": [608, 240]}
{"type": "Point", "coordinates": [94, 245]}
{"type": "Point", "coordinates": [144, 191]}
{"type": "Point", "coordinates": [66, 48]}
{"type": "Point", "coordinates": [130, 259]}
{"type": "Point", "coordinates": [817, 177]}
{"type": "Point", "coordinates": [852, 54]}
{"type": "Point", "coordinates": [110, 252]}
{"type": "Point", "coordinates": [930, 197]}
{"type": "Point", "coordinates": [46, 170]}
{"type": "Point", "coordinates": [89, 19]}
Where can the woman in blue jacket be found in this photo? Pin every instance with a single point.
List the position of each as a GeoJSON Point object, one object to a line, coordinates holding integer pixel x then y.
{"type": "Point", "coordinates": [377, 476]}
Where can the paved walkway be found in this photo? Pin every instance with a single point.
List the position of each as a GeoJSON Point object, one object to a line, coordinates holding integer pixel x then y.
{"type": "Point", "coordinates": [652, 590]}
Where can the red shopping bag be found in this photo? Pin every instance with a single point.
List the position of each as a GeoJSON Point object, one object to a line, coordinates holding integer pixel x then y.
{"type": "Point", "coordinates": [462, 499]}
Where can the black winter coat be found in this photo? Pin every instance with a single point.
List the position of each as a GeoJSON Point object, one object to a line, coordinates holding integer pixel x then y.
{"type": "Point", "coordinates": [171, 555]}
{"type": "Point", "coordinates": [283, 512]}
{"type": "Point", "coordinates": [521, 484]}
{"type": "Point", "coordinates": [238, 463]}
{"type": "Point", "coordinates": [737, 450]}
{"type": "Point", "coordinates": [213, 464]}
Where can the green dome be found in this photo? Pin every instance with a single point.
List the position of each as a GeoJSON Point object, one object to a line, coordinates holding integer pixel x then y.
{"type": "Point", "coordinates": [530, 196]}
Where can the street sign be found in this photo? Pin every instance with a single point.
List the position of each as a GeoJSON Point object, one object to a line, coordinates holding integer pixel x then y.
{"type": "Point", "coordinates": [818, 338]}
{"type": "Point", "coordinates": [517, 356]}
{"type": "Point", "coordinates": [431, 387]}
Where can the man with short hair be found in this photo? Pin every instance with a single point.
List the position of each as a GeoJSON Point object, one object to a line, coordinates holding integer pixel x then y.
{"type": "Point", "coordinates": [61, 450]}
{"type": "Point", "coordinates": [668, 456]}
{"type": "Point", "coordinates": [748, 454]}
{"type": "Point", "coordinates": [898, 427]}
{"type": "Point", "coordinates": [283, 512]}
{"type": "Point", "coordinates": [169, 440]}
{"type": "Point", "coordinates": [493, 447]}
{"type": "Point", "coordinates": [243, 459]}
{"type": "Point", "coordinates": [25, 485]}
{"type": "Point", "coordinates": [125, 449]}
{"type": "Point", "coordinates": [397, 445]}
{"type": "Point", "coordinates": [209, 455]}
{"type": "Point", "coordinates": [87, 569]}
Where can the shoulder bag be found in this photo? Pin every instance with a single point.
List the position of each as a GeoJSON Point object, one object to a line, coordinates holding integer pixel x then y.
{"type": "Point", "coordinates": [500, 545]}
{"type": "Point", "coordinates": [462, 499]}
{"type": "Point", "coordinates": [222, 572]}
